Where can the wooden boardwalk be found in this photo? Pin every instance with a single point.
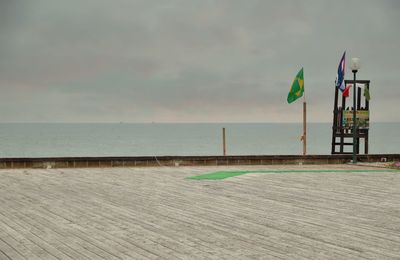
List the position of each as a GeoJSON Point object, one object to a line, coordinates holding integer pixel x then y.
{"type": "Point", "coordinates": [156, 213]}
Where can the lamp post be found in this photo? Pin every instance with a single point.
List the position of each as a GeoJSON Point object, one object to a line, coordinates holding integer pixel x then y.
{"type": "Point", "coordinates": [355, 66]}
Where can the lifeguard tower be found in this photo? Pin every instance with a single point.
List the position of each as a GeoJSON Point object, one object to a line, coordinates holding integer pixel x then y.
{"type": "Point", "coordinates": [342, 128]}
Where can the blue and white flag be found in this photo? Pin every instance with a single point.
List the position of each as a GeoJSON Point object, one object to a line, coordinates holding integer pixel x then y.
{"type": "Point", "coordinates": [340, 73]}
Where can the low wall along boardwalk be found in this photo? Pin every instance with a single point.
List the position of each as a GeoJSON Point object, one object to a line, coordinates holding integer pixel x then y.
{"type": "Point", "coordinates": [86, 162]}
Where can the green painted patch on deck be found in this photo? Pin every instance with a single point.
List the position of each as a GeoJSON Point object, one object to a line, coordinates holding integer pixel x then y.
{"type": "Point", "coordinates": [227, 174]}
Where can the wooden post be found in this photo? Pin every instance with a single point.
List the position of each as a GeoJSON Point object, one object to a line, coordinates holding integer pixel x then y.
{"type": "Point", "coordinates": [335, 123]}
{"type": "Point", "coordinates": [366, 101]}
{"type": "Point", "coordinates": [358, 108]}
{"type": "Point", "coordinates": [341, 124]}
{"type": "Point", "coordinates": [354, 117]}
{"type": "Point", "coordinates": [224, 141]}
{"type": "Point", "coordinates": [304, 128]}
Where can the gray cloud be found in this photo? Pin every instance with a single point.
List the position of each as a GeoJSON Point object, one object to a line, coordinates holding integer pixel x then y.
{"type": "Point", "coordinates": [179, 60]}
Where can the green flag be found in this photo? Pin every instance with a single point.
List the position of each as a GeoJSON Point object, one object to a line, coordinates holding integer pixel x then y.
{"type": "Point", "coordinates": [297, 89]}
{"type": "Point", "coordinates": [366, 93]}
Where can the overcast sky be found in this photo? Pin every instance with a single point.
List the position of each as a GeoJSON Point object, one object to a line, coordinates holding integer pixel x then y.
{"type": "Point", "coordinates": [191, 60]}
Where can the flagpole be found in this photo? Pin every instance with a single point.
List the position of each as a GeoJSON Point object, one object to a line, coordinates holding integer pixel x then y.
{"type": "Point", "coordinates": [304, 137]}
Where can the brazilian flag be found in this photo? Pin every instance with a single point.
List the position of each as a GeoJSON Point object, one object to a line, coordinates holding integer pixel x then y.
{"type": "Point", "coordinates": [297, 89]}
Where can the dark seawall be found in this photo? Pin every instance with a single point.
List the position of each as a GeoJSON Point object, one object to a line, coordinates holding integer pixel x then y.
{"type": "Point", "coordinates": [146, 161]}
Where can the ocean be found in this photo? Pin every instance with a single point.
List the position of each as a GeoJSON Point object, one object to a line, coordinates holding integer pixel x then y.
{"type": "Point", "coordinates": [125, 139]}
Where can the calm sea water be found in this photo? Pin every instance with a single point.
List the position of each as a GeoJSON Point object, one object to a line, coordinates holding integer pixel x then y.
{"type": "Point", "coordinates": [49, 140]}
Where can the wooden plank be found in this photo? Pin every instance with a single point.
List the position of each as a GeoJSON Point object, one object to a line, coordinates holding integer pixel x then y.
{"type": "Point", "coordinates": [150, 213]}
{"type": "Point", "coordinates": [9, 251]}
